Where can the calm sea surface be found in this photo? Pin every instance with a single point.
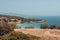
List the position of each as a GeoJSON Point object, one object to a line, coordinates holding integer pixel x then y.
{"type": "Point", "coordinates": [50, 20]}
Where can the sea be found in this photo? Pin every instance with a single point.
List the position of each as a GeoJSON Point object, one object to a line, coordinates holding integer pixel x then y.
{"type": "Point", "coordinates": [50, 20]}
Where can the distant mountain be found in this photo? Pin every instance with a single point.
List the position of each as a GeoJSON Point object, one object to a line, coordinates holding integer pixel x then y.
{"type": "Point", "coordinates": [11, 17]}
{"type": "Point", "coordinates": [12, 14]}
{"type": "Point", "coordinates": [16, 14]}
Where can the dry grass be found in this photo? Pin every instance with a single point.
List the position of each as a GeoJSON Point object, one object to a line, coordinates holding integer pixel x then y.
{"type": "Point", "coordinates": [44, 34]}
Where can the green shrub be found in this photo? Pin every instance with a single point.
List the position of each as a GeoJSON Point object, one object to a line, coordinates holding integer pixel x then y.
{"type": "Point", "coordinates": [44, 26]}
{"type": "Point", "coordinates": [54, 26]}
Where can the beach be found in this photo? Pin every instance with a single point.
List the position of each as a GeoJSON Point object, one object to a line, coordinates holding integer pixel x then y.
{"type": "Point", "coordinates": [44, 34]}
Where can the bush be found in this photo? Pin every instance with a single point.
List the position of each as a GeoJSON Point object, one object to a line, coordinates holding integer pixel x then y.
{"type": "Point", "coordinates": [54, 26]}
{"type": "Point", "coordinates": [44, 26]}
{"type": "Point", "coordinates": [59, 27]}
{"type": "Point", "coordinates": [30, 27]}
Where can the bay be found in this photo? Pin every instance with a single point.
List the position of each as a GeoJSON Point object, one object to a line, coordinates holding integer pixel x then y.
{"type": "Point", "coordinates": [50, 20]}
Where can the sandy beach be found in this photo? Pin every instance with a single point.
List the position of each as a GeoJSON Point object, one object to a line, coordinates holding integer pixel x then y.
{"type": "Point", "coordinates": [44, 34]}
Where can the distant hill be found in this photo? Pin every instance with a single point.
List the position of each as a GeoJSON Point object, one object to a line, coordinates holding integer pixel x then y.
{"type": "Point", "coordinates": [15, 14]}
{"type": "Point", "coordinates": [12, 17]}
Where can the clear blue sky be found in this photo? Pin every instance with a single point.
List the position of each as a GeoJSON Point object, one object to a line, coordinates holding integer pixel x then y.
{"type": "Point", "coordinates": [31, 7]}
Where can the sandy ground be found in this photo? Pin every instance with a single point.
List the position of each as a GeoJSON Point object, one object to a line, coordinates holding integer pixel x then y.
{"type": "Point", "coordinates": [44, 34]}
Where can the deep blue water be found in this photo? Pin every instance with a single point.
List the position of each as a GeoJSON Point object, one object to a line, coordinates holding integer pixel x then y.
{"type": "Point", "coordinates": [50, 20]}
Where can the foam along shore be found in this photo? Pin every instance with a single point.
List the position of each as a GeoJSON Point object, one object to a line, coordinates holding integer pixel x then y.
{"type": "Point", "coordinates": [45, 34]}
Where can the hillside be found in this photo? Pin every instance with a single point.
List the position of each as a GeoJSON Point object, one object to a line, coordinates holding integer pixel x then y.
{"type": "Point", "coordinates": [22, 18]}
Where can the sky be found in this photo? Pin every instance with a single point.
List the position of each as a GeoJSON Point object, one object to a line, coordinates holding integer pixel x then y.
{"type": "Point", "coordinates": [31, 7]}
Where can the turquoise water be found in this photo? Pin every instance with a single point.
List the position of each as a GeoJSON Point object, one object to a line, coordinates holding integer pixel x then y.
{"type": "Point", "coordinates": [50, 20]}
